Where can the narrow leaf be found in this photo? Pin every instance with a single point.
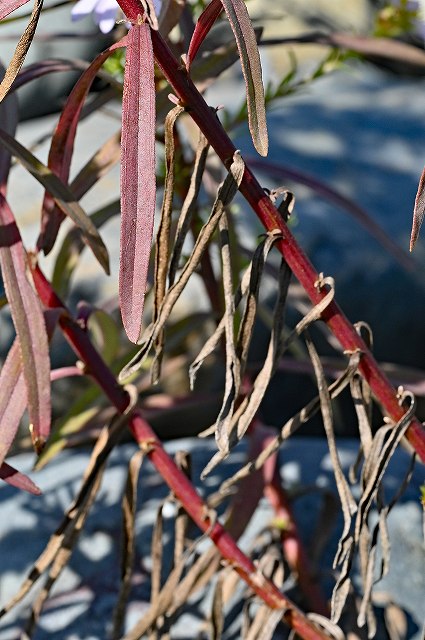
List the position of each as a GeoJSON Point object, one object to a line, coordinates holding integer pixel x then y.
{"type": "Point", "coordinates": [10, 5]}
{"type": "Point", "coordinates": [62, 194]}
{"type": "Point", "coordinates": [137, 177]}
{"type": "Point", "coordinates": [29, 323]}
{"type": "Point", "coordinates": [13, 399]}
{"type": "Point", "coordinates": [21, 48]}
{"type": "Point", "coordinates": [203, 26]}
{"type": "Point", "coordinates": [17, 479]}
{"type": "Point", "coordinates": [418, 211]}
{"type": "Point", "coordinates": [240, 22]}
{"type": "Point", "coordinates": [62, 146]}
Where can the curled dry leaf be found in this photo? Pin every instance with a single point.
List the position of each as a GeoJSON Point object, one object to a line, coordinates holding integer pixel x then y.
{"type": "Point", "coordinates": [138, 186]}
{"type": "Point", "coordinates": [29, 323]}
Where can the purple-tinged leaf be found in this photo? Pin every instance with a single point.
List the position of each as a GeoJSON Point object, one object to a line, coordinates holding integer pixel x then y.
{"type": "Point", "coordinates": [62, 146]}
{"type": "Point", "coordinates": [29, 323]}
{"type": "Point", "coordinates": [138, 185]}
{"type": "Point", "coordinates": [418, 211]}
{"type": "Point", "coordinates": [7, 6]}
{"type": "Point", "coordinates": [203, 26]}
{"type": "Point", "coordinates": [62, 194]}
{"type": "Point", "coordinates": [21, 49]}
{"type": "Point", "coordinates": [17, 479]}
{"type": "Point", "coordinates": [13, 393]}
{"type": "Point", "coordinates": [43, 67]}
{"type": "Point", "coordinates": [13, 399]}
{"type": "Point", "coordinates": [246, 42]}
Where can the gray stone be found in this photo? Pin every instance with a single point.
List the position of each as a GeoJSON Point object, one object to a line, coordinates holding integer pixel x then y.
{"type": "Point", "coordinates": [83, 599]}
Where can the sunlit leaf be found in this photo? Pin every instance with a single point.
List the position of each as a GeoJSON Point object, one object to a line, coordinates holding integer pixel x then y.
{"type": "Point", "coordinates": [17, 479]}
{"type": "Point", "coordinates": [138, 185]}
{"type": "Point", "coordinates": [13, 398]}
{"type": "Point", "coordinates": [203, 26]}
{"type": "Point", "coordinates": [29, 323]}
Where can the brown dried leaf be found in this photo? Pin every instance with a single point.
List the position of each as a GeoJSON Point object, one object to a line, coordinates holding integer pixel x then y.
{"type": "Point", "coordinates": [189, 205]}
{"type": "Point", "coordinates": [21, 50]}
{"type": "Point", "coordinates": [162, 249]}
{"type": "Point", "coordinates": [129, 505]}
{"type": "Point", "coordinates": [60, 545]}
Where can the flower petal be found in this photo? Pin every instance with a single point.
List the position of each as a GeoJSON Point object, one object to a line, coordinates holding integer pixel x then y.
{"type": "Point", "coordinates": [105, 13]}
{"type": "Point", "coordinates": [82, 9]}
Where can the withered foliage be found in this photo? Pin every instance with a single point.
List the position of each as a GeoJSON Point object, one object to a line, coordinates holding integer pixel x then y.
{"type": "Point", "coordinates": [193, 239]}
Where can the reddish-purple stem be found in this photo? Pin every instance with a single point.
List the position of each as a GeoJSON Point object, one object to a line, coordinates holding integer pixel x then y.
{"type": "Point", "coordinates": [300, 265]}
{"type": "Point", "coordinates": [173, 476]}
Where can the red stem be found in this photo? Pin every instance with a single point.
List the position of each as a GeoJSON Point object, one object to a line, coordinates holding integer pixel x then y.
{"type": "Point", "coordinates": [173, 476]}
{"type": "Point", "coordinates": [341, 327]}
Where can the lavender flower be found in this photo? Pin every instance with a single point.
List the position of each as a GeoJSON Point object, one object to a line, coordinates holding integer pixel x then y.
{"type": "Point", "coordinates": [104, 12]}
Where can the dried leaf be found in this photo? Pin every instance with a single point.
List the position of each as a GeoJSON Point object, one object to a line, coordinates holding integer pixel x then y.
{"type": "Point", "coordinates": [293, 424]}
{"type": "Point", "coordinates": [232, 382]}
{"type": "Point", "coordinates": [217, 615]}
{"type": "Point", "coordinates": [62, 147]}
{"type": "Point", "coordinates": [203, 26]}
{"type": "Point", "coordinates": [17, 479]}
{"type": "Point", "coordinates": [30, 327]}
{"type": "Point", "coordinates": [162, 249]}
{"type": "Point", "coordinates": [418, 211]}
{"type": "Point", "coordinates": [63, 196]}
{"type": "Point", "coordinates": [189, 205]}
{"type": "Point", "coordinates": [138, 186]}
{"type": "Point", "coordinates": [250, 405]}
{"type": "Point", "coordinates": [348, 504]}
{"type": "Point", "coordinates": [240, 22]}
{"type": "Point", "coordinates": [129, 513]}
{"type": "Point", "coordinates": [22, 46]}
{"type": "Point", "coordinates": [59, 548]}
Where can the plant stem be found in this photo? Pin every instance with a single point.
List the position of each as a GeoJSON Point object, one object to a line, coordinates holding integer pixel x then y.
{"type": "Point", "coordinates": [169, 471]}
{"type": "Point", "coordinates": [341, 327]}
